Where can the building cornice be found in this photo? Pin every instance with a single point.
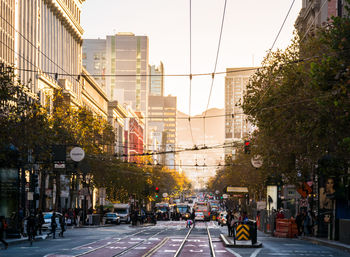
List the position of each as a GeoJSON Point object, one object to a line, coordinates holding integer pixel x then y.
{"type": "Point", "coordinates": [93, 83]}
{"type": "Point", "coordinates": [66, 16]}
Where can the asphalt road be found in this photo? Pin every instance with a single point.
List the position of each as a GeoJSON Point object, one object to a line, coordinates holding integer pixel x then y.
{"type": "Point", "coordinates": [161, 240]}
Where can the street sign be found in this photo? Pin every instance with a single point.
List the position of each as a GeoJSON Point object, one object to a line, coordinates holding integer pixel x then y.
{"type": "Point", "coordinates": [257, 161]}
{"type": "Point", "coordinates": [77, 154]}
{"type": "Point", "coordinates": [165, 195]}
{"type": "Point", "coordinates": [237, 189]}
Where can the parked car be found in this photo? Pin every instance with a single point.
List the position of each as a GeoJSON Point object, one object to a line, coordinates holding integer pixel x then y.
{"type": "Point", "coordinates": [222, 218]}
{"type": "Point", "coordinates": [199, 216]}
{"type": "Point", "coordinates": [112, 218]}
{"type": "Point", "coordinates": [47, 218]}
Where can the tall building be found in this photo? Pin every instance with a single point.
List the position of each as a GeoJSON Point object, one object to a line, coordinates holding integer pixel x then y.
{"type": "Point", "coordinates": [236, 124]}
{"type": "Point", "coordinates": [156, 80]}
{"type": "Point", "coordinates": [94, 59]}
{"type": "Point", "coordinates": [315, 13]}
{"type": "Point", "coordinates": [162, 126]}
{"type": "Point", "coordinates": [49, 42]}
{"type": "Point", "coordinates": [7, 35]}
{"type": "Point", "coordinates": [124, 57]}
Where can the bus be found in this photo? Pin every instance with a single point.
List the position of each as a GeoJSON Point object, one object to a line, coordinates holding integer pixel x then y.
{"type": "Point", "coordinates": [203, 207]}
{"type": "Point", "coordinates": [181, 210]}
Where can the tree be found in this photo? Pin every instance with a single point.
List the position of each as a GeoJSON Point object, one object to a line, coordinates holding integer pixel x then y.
{"type": "Point", "coordinates": [299, 102]}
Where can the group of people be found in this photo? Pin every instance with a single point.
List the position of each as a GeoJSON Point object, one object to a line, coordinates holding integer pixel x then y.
{"type": "Point", "coordinates": [233, 219]}
{"type": "Point", "coordinates": [306, 222]}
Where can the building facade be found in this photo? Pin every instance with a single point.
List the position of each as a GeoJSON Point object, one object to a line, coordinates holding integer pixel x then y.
{"type": "Point", "coordinates": [118, 118]}
{"type": "Point", "coordinates": [316, 13]}
{"type": "Point", "coordinates": [94, 59]}
{"type": "Point", "coordinates": [7, 31]}
{"type": "Point", "coordinates": [237, 127]}
{"type": "Point", "coordinates": [162, 127]}
{"type": "Point", "coordinates": [48, 43]}
{"type": "Point", "coordinates": [156, 80]}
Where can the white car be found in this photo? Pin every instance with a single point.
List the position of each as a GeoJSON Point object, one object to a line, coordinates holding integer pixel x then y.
{"type": "Point", "coordinates": [112, 218]}
{"type": "Point", "coordinates": [199, 216]}
{"type": "Point", "coordinates": [47, 218]}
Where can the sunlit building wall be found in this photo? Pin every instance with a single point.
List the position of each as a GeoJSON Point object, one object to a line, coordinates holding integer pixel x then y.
{"type": "Point", "coordinates": [94, 59]}
{"type": "Point", "coordinates": [236, 124]}
{"type": "Point", "coordinates": [156, 80]}
{"type": "Point", "coordinates": [7, 32]}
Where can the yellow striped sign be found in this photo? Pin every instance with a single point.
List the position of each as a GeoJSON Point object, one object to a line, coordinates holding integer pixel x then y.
{"type": "Point", "coordinates": [242, 232]}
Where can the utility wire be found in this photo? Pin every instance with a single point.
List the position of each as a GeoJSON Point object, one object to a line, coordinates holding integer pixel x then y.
{"type": "Point", "coordinates": [312, 23]}
{"type": "Point", "coordinates": [190, 77]}
{"type": "Point", "coordinates": [216, 62]}
{"type": "Point", "coordinates": [273, 44]}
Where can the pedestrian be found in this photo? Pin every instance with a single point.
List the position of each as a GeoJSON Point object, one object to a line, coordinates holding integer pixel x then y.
{"type": "Point", "coordinates": [3, 227]}
{"type": "Point", "coordinates": [307, 223]}
{"type": "Point", "coordinates": [299, 222]}
{"type": "Point", "coordinates": [62, 225]}
{"type": "Point", "coordinates": [31, 224]}
{"type": "Point", "coordinates": [193, 218]}
{"type": "Point", "coordinates": [41, 221]}
{"type": "Point", "coordinates": [229, 219]}
{"type": "Point", "coordinates": [53, 226]}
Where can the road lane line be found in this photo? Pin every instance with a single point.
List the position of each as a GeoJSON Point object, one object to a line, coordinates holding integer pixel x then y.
{"type": "Point", "coordinates": [233, 252]}
{"type": "Point", "coordinates": [256, 252]}
{"type": "Point", "coordinates": [95, 249]}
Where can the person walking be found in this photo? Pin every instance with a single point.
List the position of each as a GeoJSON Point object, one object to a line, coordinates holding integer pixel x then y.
{"type": "Point", "coordinates": [3, 227]}
{"type": "Point", "coordinates": [229, 218]}
{"type": "Point", "coordinates": [193, 218]}
{"type": "Point", "coordinates": [62, 220]}
{"type": "Point", "coordinates": [41, 221]}
{"type": "Point", "coordinates": [31, 227]}
{"type": "Point", "coordinates": [53, 226]}
{"type": "Point", "coordinates": [299, 222]}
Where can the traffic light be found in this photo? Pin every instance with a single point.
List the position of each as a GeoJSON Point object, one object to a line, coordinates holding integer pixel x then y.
{"type": "Point", "coordinates": [157, 189]}
{"type": "Point", "coordinates": [246, 146]}
{"type": "Point", "coordinates": [34, 182]}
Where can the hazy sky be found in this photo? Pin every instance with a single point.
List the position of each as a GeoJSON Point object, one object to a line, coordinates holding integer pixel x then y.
{"type": "Point", "coordinates": [250, 27]}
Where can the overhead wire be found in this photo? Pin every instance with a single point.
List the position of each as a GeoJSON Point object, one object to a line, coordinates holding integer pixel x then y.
{"type": "Point", "coordinates": [270, 50]}
{"type": "Point", "coordinates": [190, 77]}
{"type": "Point", "coordinates": [216, 62]}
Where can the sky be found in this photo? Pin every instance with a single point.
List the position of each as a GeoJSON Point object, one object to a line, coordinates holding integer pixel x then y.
{"type": "Point", "coordinates": [249, 30]}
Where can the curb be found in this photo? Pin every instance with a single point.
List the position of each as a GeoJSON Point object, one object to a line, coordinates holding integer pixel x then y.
{"type": "Point", "coordinates": [229, 243]}
{"type": "Point", "coordinates": [334, 244]}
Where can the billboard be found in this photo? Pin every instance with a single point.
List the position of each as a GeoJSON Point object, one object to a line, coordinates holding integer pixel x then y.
{"type": "Point", "coordinates": [271, 197]}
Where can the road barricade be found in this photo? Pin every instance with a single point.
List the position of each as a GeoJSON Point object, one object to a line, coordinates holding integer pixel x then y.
{"type": "Point", "coordinates": [244, 231]}
{"type": "Point", "coordinates": [286, 228]}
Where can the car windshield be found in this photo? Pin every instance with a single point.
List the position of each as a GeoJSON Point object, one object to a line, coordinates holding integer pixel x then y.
{"type": "Point", "coordinates": [182, 209]}
{"type": "Point", "coordinates": [110, 215]}
{"type": "Point", "coordinates": [122, 211]}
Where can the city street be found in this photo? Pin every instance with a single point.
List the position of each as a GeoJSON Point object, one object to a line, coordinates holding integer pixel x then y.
{"type": "Point", "coordinates": [164, 239]}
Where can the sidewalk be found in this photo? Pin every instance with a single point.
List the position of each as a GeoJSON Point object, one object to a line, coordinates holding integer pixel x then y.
{"type": "Point", "coordinates": [14, 241]}
{"type": "Point", "coordinates": [327, 242]}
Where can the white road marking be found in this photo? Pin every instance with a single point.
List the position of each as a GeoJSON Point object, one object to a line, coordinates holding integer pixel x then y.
{"type": "Point", "coordinates": [256, 252]}
{"type": "Point", "coordinates": [220, 251]}
{"type": "Point", "coordinates": [140, 248]}
{"type": "Point", "coordinates": [170, 251]}
{"type": "Point", "coordinates": [231, 251]}
{"type": "Point", "coordinates": [196, 251]}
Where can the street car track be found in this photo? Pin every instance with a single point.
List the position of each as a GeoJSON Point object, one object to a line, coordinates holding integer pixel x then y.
{"type": "Point", "coordinates": [211, 247]}
{"type": "Point", "coordinates": [100, 247]}
{"type": "Point", "coordinates": [134, 246]}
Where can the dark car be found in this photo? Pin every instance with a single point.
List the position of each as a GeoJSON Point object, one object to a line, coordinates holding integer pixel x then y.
{"type": "Point", "coordinates": [112, 218]}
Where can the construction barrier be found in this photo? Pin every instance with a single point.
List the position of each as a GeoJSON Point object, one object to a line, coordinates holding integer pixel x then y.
{"type": "Point", "coordinates": [244, 231]}
{"type": "Point", "coordinates": [286, 228]}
